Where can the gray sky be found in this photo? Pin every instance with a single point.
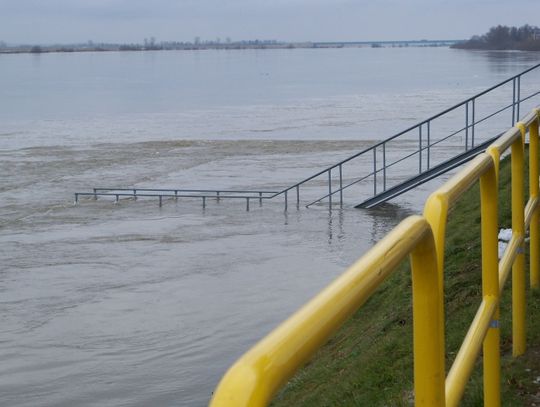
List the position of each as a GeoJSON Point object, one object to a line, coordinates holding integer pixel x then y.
{"type": "Point", "coordinates": [64, 21]}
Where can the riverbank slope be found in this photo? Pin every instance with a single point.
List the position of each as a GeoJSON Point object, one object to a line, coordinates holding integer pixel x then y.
{"type": "Point", "coordinates": [369, 361]}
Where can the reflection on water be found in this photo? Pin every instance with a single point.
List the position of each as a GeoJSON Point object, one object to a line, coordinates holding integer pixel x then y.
{"type": "Point", "coordinates": [509, 63]}
{"type": "Point", "coordinates": [384, 214]}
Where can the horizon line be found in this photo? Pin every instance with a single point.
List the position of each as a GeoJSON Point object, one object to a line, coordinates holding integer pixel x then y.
{"type": "Point", "coordinates": [214, 42]}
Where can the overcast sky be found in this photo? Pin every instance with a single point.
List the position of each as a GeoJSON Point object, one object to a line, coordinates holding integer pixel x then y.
{"type": "Point", "coordinates": [65, 21]}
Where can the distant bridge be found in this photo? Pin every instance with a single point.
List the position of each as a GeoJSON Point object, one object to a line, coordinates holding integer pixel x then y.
{"type": "Point", "coordinates": [409, 43]}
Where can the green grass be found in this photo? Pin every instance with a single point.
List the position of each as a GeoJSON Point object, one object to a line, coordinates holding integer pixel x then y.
{"type": "Point", "coordinates": [368, 362]}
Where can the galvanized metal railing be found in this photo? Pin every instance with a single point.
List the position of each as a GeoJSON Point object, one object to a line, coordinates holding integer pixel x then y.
{"type": "Point", "coordinates": [259, 373]}
{"type": "Point", "coordinates": [380, 158]}
{"type": "Point", "coordinates": [161, 193]}
{"type": "Point", "coordinates": [407, 155]}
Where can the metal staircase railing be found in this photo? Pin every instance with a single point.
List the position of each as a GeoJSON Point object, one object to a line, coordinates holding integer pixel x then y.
{"type": "Point", "coordinates": [402, 159]}
{"type": "Point", "coordinates": [422, 157]}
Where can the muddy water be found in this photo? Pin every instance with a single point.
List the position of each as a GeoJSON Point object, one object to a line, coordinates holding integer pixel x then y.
{"type": "Point", "coordinates": [136, 304]}
{"type": "Point", "coordinates": [133, 304]}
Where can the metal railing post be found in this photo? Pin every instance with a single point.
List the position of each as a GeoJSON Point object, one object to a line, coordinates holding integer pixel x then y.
{"type": "Point", "coordinates": [160, 200]}
{"type": "Point", "coordinates": [298, 197]}
{"type": "Point", "coordinates": [134, 194]}
{"type": "Point", "coordinates": [374, 171]}
{"type": "Point", "coordinates": [518, 268]}
{"type": "Point", "coordinates": [518, 96]}
{"type": "Point", "coordinates": [420, 149]}
{"type": "Point", "coordinates": [217, 196]}
{"type": "Point", "coordinates": [260, 198]}
{"type": "Point", "coordinates": [204, 202]}
{"type": "Point", "coordinates": [330, 187]}
{"type": "Point", "coordinates": [513, 101]}
{"type": "Point", "coordinates": [384, 165]}
{"type": "Point", "coordinates": [247, 204]}
{"type": "Point", "coordinates": [466, 126]}
{"type": "Point", "coordinates": [473, 122]}
{"type": "Point", "coordinates": [428, 144]}
{"type": "Point", "coordinates": [286, 200]}
{"type": "Point", "coordinates": [340, 185]}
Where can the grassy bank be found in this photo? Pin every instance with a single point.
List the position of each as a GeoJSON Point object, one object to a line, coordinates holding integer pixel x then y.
{"type": "Point", "coordinates": [369, 361]}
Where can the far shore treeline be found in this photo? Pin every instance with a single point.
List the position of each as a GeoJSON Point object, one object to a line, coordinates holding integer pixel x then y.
{"type": "Point", "coordinates": [501, 37]}
{"type": "Point", "coordinates": [198, 44]}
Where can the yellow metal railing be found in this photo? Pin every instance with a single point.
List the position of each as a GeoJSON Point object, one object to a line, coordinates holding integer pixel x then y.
{"type": "Point", "coordinates": [258, 374]}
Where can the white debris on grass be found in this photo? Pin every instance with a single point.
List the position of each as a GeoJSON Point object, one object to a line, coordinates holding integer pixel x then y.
{"type": "Point", "coordinates": [502, 249]}
{"type": "Point", "coordinates": [504, 237]}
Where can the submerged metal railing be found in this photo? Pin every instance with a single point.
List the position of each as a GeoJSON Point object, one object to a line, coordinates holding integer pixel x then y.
{"type": "Point", "coordinates": [256, 377]}
{"type": "Point", "coordinates": [397, 159]}
{"type": "Point", "coordinates": [161, 193]}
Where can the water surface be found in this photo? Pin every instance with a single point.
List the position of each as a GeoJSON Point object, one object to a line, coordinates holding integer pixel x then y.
{"type": "Point", "coordinates": [137, 305]}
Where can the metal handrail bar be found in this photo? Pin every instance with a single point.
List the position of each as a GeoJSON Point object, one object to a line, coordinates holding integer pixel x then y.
{"type": "Point", "coordinates": [341, 189]}
{"type": "Point", "coordinates": [421, 149]}
{"type": "Point", "coordinates": [427, 147]}
{"type": "Point", "coordinates": [378, 171]}
{"type": "Point", "coordinates": [489, 116]}
{"type": "Point", "coordinates": [476, 96]}
{"type": "Point", "coordinates": [135, 195]}
{"type": "Point", "coordinates": [359, 180]}
{"type": "Point", "coordinates": [504, 108]}
{"type": "Point", "coordinates": [185, 190]}
{"type": "Point", "coordinates": [407, 156]}
{"type": "Point", "coordinates": [462, 103]}
{"type": "Point", "coordinates": [169, 195]}
{"type": "Point", "coordinates": [419, 124]}
{"type": "Point", "coordinates": [364, 177]}
{"type": "Point", "coordinates": [530, 96]}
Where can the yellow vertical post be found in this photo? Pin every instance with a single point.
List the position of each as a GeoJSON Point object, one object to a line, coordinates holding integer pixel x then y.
{"type": "Point", "coordinates": [436, 213]}
{"type": "Point", "coordinates": [429, 373]}
{"type": "Point", "coordinates": [533, 192]}
{"type": "Point", "coordinates": [518, 228]}
{"type": "Point", "coordinates": [490, 284]}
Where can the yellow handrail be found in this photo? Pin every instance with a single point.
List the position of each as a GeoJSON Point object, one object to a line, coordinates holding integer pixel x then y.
{"type": "Point", "coordinates": [253, 379]}
{"type": "Point", "coordinates": [258, 374]}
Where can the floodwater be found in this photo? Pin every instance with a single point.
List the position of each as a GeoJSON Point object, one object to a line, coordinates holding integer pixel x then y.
{"type": "Point", "coordinates": [136, 305]}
